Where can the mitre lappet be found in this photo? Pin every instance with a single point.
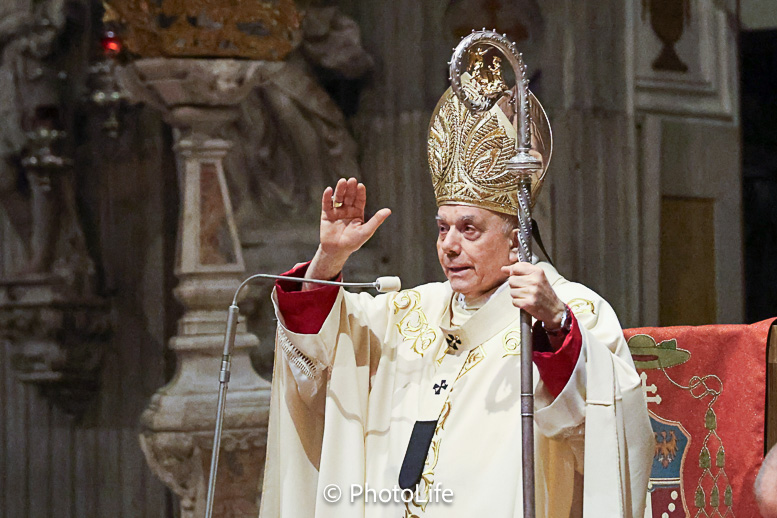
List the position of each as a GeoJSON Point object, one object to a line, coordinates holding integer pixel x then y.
{"type": "Point", "coordinates": [468, 151]}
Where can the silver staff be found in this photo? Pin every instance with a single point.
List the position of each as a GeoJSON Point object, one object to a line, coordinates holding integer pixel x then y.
{"type": "Point", "coordinates": [523, 165]}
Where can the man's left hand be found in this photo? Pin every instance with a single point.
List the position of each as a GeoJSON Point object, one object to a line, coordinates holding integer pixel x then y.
{"type": "Point", "coordinates": [532, 292]}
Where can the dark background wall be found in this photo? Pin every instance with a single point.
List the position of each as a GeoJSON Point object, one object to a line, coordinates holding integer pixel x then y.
{"type": "Point", "coordinates": [758, 51]}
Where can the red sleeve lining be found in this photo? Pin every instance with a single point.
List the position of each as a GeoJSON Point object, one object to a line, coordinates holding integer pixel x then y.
{"type": "Point", "coordinates": [556, 367]}
{"type": "Point", "coordinates": [304, 312]}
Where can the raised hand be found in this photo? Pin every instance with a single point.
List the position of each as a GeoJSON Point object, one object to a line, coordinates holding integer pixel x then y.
{"type": "Point", "coordinates": [343, 229]}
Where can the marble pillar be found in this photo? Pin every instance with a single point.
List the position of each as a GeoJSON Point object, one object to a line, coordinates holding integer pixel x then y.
{"type": "Point", "coordinates": [198, 97]}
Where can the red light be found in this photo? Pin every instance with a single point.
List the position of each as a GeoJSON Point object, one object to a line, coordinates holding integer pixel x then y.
{"type": "Point", "coordinates": [111, 44]}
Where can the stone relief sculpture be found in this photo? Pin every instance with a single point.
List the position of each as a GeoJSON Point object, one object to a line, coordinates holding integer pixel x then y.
{"type": "Point", "coordinates": [34, 186]}
{"type": "Point", "coordinates": [668, 18]}
{"type": "Point", "coordinates": [49, 309]}
{"type": "Point", "coordinates": [297, 137]}
{"type": "Point", "coordinates": [26, 42]}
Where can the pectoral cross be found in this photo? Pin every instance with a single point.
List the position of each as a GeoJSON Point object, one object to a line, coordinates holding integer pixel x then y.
{"type": "Point", "coordinates": [439, 387]}
{"type": "Point", "coordinates": [649, 389]}
{"type": "Point", "coordinates": [453, 342]}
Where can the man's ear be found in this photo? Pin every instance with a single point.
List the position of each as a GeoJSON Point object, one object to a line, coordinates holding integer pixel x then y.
{"type": "Point", "coordinates": [514, 245]}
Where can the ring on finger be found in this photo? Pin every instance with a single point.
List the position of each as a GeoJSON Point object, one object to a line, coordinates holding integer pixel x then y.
{"type": "Point", "coordinates": [336, 204]}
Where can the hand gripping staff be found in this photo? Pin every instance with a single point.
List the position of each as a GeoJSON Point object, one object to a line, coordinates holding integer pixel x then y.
{"type": "Point", "coordinates": [523, 165]}
{"type": "Point", "coordinates": [382, 284]}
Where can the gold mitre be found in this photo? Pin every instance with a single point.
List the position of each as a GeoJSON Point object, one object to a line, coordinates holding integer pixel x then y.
{"type": "Point", "coordinates": [468, 151]}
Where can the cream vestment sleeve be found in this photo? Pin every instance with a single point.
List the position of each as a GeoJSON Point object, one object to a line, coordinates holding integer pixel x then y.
{"type": "Point", "coordinates": [344, 354]}
{"type": "Point", "coordinates": [600, 418]}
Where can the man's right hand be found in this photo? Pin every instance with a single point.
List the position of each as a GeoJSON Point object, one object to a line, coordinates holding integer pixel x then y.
{"type": "Point", "coordinates": [343, 229]}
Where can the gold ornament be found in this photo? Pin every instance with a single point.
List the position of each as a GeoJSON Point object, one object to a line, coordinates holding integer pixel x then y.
{"type": "Point", "coordinates": [252, 29]}
{"type": "Point", "coordinates": [486, 80]}
{"type": "Point", "coordinates": [468, 151]}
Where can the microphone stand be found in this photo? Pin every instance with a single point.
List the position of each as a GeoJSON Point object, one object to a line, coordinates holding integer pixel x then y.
{"type": "Point", "coordinates": [382, 284]}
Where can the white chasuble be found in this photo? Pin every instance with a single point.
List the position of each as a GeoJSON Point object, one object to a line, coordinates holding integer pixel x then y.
{"type": "Point", "coordinates": [345, 401]}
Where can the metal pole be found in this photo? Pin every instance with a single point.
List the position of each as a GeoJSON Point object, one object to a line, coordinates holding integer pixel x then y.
{"type": "Point", "coordinates": [527, 367]}
{"type": "Point", "coordinates": [226, 365]}
{"type": "Point", "coordinates": [523, 165]}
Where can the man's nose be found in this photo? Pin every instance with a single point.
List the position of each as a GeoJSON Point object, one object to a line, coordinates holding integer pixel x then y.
{"type": "Point", "coordinates": [451, 245]}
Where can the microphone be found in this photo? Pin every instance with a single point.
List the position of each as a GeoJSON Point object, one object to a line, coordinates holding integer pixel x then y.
{"type": "Point", "coordinates": [381, 284]}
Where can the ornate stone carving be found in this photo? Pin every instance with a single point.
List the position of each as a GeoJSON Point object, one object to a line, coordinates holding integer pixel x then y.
{"type": "Point", "coordinates": [254, 29]}
{"type": "Point", "coordinates": [29, 101]}
{"type": "Point", "coordinates": [49, 307]}
{"type": "Point", "coordinates": [300, 140]}
{"type": "Point", "coordinates": [57, 339]}
{"type": "Point", "coordinates": [668, 19]}
{"type": "Point", "coordinates": [175, 460]}
{"type": "Point", "coordinates": [198, 97]}
{"type": "Point", "coordinates": [180, 458]}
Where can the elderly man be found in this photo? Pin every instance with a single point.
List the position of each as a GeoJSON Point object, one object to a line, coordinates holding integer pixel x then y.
{"type": "Point", "coordinates": [408, 404]}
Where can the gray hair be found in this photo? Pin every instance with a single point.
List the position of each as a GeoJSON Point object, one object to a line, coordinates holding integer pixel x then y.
{"type": "Point", "coordinates": [510, 222]}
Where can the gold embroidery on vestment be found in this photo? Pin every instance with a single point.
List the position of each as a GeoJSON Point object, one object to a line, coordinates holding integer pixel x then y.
{"type": "Point", "coordinates": [441, 352]}
{"type": "Point", "coordinates": [580, 306]}
{"type": "Point", "coordinates": [427, 477]}
{"type": "Point", "coordinates": [474, 357]}
{"type": "Point", "coordinates": [512, 343]}
{"type": "Point", "coordinates": [414, 326]}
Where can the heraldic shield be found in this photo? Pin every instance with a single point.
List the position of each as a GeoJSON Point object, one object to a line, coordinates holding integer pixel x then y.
{"type": "Point", "coordinates": [706, 393]}
{"type": "Point", "coordinates": [665, 493]}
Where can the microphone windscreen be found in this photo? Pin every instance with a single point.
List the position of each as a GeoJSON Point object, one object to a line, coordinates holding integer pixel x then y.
{"type": "Point", "coordinates": [386, 284]}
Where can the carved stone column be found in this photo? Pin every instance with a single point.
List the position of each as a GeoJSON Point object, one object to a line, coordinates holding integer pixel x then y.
{"type": "Point", "coordinates": [197, 97]}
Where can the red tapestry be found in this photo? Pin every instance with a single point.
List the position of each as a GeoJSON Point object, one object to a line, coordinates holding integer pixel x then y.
{"type": "Point", "coordinates": [706, 392]}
